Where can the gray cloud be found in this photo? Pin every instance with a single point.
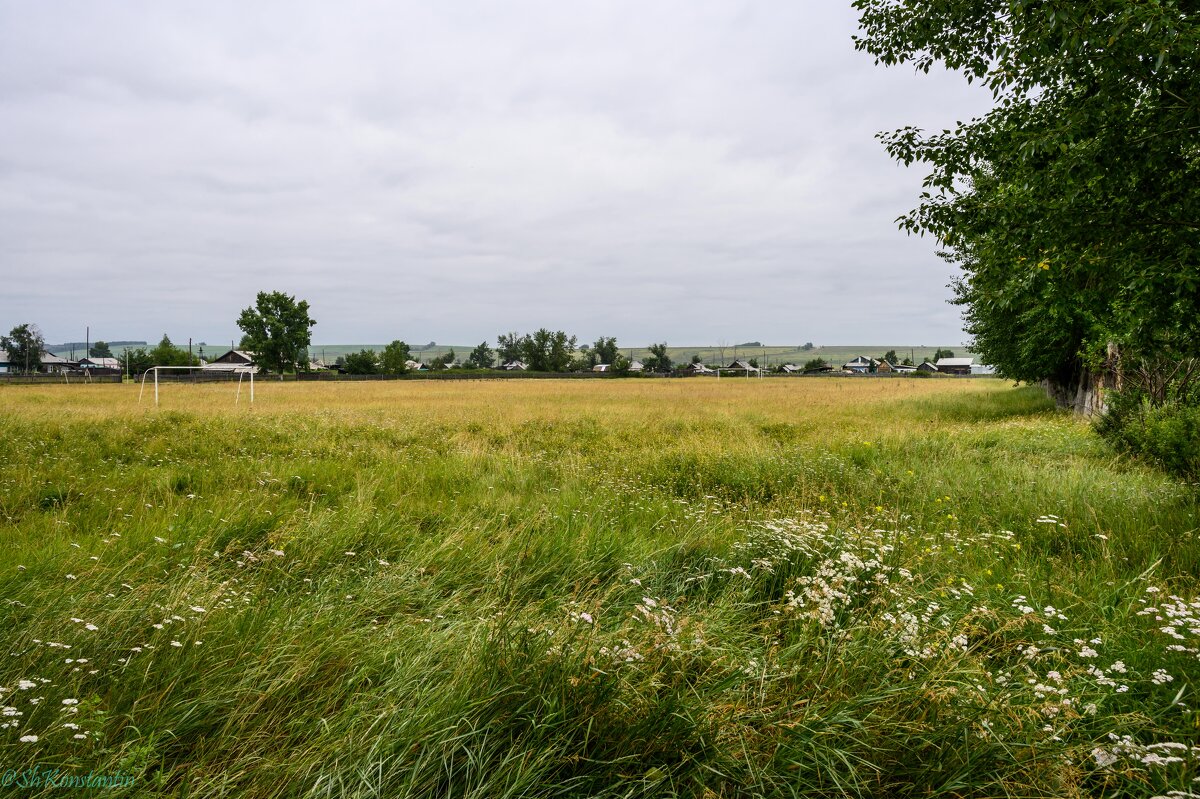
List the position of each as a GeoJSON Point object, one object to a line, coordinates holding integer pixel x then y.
{"type": "Point", "coordinates": [688, 171]}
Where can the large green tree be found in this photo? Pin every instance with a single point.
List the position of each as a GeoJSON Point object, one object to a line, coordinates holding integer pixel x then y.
{"type": "Point", "coordinates": [101, 350]}
{"type": "Point", "coordinates": [24, 345]}
{"type": "Point", "coordinates": [278, 331]}
{"type": "Point", "coordinates": [1073, 206]}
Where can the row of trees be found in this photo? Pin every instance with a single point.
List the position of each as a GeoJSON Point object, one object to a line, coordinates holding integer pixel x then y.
{"type": "Point", "coordinates": [1072, 208]}
{"type": "Point", "coordinates": [541, 351]}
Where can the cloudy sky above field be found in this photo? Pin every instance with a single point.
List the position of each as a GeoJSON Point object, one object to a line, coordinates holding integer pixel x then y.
{"type": "Point", "coordinates": [676, 170]}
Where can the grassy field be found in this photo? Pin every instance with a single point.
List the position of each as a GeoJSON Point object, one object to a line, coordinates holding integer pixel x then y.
{"type": "Point", "coordinates": [602, 588]}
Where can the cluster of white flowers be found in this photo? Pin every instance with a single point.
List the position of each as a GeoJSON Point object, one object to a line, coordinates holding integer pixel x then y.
{"type": "Point", "coordinates": [1163, 753]}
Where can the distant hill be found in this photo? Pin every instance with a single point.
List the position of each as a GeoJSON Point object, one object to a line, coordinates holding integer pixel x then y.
{"type": "Point", "coordinates": [80, 347]}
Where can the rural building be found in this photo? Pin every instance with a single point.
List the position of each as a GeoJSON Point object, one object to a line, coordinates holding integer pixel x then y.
{"type": "Point", "coordinates": [232, 361]}
{"type": "Point", "coordinates": [884, 366]}
{"type": "Point", "coordinates": [955, 366]}
{"type": "Point", "coordinates": [51, 364]}
{"type": "Point", "coordinates": [515, 366]}
{"type": "Point", "coordinates": [99, 363]}
{"type": "Point", "coordinates": [235, 357]}
{"type": "Point", "coordinates": [740, 366]}
{"type": "Point", "coordinates": [982, 369]}
{"type": "Point", "coordinates": [415, 366]}
{"type": "Point", "coordinates": [860, 365]}
{"type": "Point", "coordinates": [637, 366]}
{"type": "Point", "coordinates": [700, 369]}
{"type": "Point", "coordinates": [904, 370]}
{"type": "Point", "coordinates": [791, 369]}
{"type": "Point", "coordinates": [927, 367]}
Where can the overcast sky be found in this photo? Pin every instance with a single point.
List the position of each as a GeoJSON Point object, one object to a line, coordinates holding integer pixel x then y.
{"type": "Point", "coordinates": [686, 171]}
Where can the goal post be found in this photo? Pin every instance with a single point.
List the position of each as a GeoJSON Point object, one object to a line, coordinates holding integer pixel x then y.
{"type": "Point", "coordinates": [240, 371]}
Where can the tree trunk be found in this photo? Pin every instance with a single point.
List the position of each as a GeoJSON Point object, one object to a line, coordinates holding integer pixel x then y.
{"type": "Point", "coordinates": [1083, 393]}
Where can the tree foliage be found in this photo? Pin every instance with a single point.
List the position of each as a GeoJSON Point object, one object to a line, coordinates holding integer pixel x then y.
{"type": "Point", "coordinates": [543, 351]}
{"type": "Point", "coordinates": [101, 350]}
{"type": "Point", "coordinates": [508, 347]}
{"type": "Point", "coordinates": [815, 365]}
{"type": "Point", "coordinates": [24, 345]}
{"type": "Point", "coordinates": [137, 360]}
{"type": "Point", "coordinates": [1073, 206]}
{"type": "Point", "coordinates": [481, 357]}
{"type": "Point", "coordinates": [659, 360]}
{"type": "Point", "coordinates": [166, 353]}
{"type": "Point", "coordinates": [363, 362]}
{"type": "Point", "coordinates": [443, 362]}
{"type": "Point", "coordinates": [277, 330]}
{"type": "Point", "coordinates": [605, 350]}
{"type": "Point", "coordinates": [394, 359]}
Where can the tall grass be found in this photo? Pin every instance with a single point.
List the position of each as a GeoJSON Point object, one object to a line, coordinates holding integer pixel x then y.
{"type": "Point", "coordinates": [744, 588]}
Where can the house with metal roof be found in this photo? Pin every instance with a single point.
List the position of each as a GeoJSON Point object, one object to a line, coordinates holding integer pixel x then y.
{"type": "Point", "coordinates": [955, 366]}
{"type": "Point", "coordinates": [99, 363]}
{"type": "Point", "coordinates": [861, 365]}
{"type": "Point", "coordinates": [232, 361]}
{"type": "Point", "coordinates": [51, 363]}
{"type": "Point", "coordinates": [740, 366]}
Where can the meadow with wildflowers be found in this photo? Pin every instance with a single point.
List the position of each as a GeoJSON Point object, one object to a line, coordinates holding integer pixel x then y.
{"type": "Point", "coordinates": [787, 587]}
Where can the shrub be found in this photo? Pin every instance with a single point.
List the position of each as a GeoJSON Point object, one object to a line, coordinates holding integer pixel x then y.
{"type": "Point", "coordinates": [1167, 435]}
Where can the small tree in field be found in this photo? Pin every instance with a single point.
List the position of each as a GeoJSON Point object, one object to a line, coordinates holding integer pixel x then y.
{"type": "Point", "coordinates": [24, 344]}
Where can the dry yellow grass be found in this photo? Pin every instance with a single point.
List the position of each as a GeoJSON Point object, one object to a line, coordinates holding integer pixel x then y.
{"type": "Point", "coordinates": [504, 401]}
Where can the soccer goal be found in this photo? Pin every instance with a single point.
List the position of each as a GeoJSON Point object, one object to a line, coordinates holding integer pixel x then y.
{"type": "Point", "coordinates": [240, 371]}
